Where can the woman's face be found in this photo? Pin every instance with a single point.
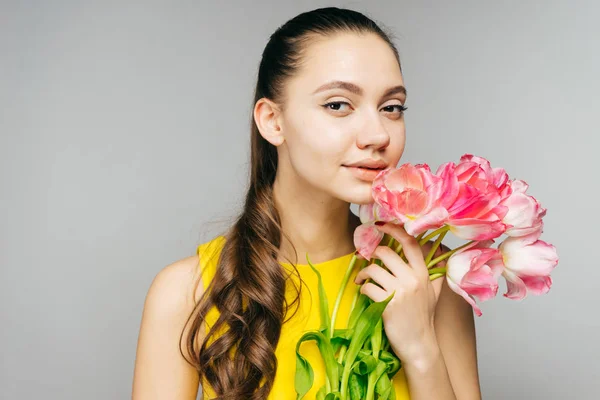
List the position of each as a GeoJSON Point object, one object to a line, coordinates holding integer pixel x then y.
{"type": "Point", "coordinates": [328, 126]}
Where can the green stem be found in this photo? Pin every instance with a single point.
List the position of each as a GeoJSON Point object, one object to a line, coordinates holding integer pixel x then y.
{"type": "Point", "coordinates": [343, 347]}
{"type": "Point", "coordinates": [448, 254]}
{"type": "Point", "coordinates": [435, 276]}
{"type": "Point", "coordinates": [377, 338]}
{"type": "Point", "coordinates": [438, 231]}
{"type": "Point", "coordinates": [435, 246]}
{"type": "Point", "coordinates": [441, 270]}
{"type": "Point", "coordinates": [354, 300]}
{"type": "Point", "coordinates": [341, 293]}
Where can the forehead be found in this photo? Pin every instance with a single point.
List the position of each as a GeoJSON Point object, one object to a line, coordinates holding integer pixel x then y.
{"type": "Point", "coordinates": [365, 59]}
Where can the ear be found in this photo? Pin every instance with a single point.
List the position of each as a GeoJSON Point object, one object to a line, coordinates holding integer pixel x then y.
{"type": "Point", "coordinates": [266, 116]}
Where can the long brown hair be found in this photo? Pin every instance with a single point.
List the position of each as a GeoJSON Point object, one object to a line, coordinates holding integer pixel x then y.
{"type": "Point", "coordinates": [248, 288]}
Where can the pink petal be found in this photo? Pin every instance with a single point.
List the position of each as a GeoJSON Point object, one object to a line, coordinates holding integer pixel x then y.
{"type": "Point", "coordinates": [500, 178]}
{"type": "Point", "coordinates": [516, 289]}
{"type": "Point", "coordinates": [467, 195]}
{"type": "Point", "coordinates": [410, 202]}
{"type": "Point", "coordinates": [482, 280]}
{"type": "Point", "coordinates": [523, 257]}
{"type": "Point", "coordinates": [432, 220]}
{"type": "Point", "coordinates": [519, 186]}
{"type": "Point", "coordinates": [366, 212]}
{"type": "Point", "coordinates": [537, 285]}
{"type": "Point", "coordinates": [407, 176]}
{"type": "Point", "coordinates": [384, 214]}
{"type": "Point", "coordinates": [378, 185]}
{"type": "Point", "coordinates": [523, 212]}
{"type": "Point", "coordinates": [535, 229]}
{"type": "Point", "coordinates": [476, 270]}
{"type": "Point", "coordinates": [446, 192]}
{"type": "Point", "coordinates": [366, 238]}
{"type": "Point", "coordinates": [474, 229]}
{"type": "Point", "coordinates": [457, 289]}
{"type": "Point", "coordinates": [481, 205]}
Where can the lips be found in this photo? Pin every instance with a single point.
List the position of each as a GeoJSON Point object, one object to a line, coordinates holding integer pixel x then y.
{"type": "Point", "coordinates": [369, 163]}
{"type": "Point", "coordinates": [364, 173]}
{"type": "Point", "coordinates": [365, 167]}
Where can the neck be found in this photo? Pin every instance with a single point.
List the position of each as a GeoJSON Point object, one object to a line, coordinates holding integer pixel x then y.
{"type": "Point", "coordinates": [315, 223]}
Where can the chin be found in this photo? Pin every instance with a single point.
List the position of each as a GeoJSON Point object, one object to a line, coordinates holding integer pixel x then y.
{"type": "Point", "coordinates": [357, 194]}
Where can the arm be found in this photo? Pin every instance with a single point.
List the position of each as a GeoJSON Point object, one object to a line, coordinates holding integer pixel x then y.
{"type": "Point", "coordinates": [455, 332]}
{"type": "Point", "coordinates": [160, 370]}
{"type": "Point", "coordinates": [448, 366]}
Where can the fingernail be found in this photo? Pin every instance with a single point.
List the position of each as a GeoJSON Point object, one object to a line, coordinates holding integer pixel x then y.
{"type": "Point", "coordinates": [379, 223]}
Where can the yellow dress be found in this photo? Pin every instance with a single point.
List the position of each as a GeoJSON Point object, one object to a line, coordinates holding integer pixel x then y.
{"type": "Point", "coordinates": [306, 318]}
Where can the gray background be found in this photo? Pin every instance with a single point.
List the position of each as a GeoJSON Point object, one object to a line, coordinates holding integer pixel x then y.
{"type": "Point", "coordinates": [124, 143]}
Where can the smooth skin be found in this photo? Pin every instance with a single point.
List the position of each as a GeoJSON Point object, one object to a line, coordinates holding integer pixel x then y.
{"type": "Point", "coordinates": [316, 133]}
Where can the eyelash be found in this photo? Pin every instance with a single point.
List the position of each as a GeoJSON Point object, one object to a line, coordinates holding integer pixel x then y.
{"type": "Point", "coordinates": [402, 108]}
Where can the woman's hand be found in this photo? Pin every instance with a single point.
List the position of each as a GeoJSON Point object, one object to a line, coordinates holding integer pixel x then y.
{"type": "Point", "coordinates": [408, 318]}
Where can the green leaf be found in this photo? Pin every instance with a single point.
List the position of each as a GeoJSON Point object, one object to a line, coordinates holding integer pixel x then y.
{"type": "Point", "coordinates": [321, 393]}
{"type": "Point", "coordinates": [384, 387]}
{"type": "Point", "coordinates": [304, 373]}
{"type": "Point", "coordinates": [376, 338]}
{"type": "Point", "coordinates": [345, 333]}
{"type": "Point", "coordinates": [365, 364]}
{"type": "Point", "coordinates": [373, 377]}
{"type": "Point", "coordinates": [363, 328]}
{"type": "Point", "coordinates": [341, 337]}
{"type": "Point", "coordinates": [361, 305]}
{"type": "Point", "coordinates": [304, 376]}
{"type": "Point", "coordinates": [393, 362]}
{"type": "Point", "coordinates": [333, 396]}
{"type": "Point", "coordinates": [323, 303]}
{"type": "Point", "coordinates": [356, 387]}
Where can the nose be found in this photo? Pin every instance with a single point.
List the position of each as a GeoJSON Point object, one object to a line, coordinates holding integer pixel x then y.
{"type": "Point", "coordinates": [373, 135]}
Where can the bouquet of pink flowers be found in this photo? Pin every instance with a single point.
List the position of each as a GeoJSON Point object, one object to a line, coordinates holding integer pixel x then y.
{"type": "Point", "coordinates": [476, 203]}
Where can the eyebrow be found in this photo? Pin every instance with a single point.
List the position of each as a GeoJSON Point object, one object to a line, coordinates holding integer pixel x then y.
{"type": "Point", "coordinates": [353, 88]}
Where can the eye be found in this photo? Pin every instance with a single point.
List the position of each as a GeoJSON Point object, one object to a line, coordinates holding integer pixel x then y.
{"type": "Point", "coordinates": [335, 105]}
{"type": "Point", "coordinates": [400, 107]}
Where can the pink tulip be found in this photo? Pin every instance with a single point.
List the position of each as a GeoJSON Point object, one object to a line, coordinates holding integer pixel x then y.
{"type": "Point", "coordinates": [411, 194]}
{"type": "Point", "coordinates": [375, 212]}
{"type": "Point", "coordinates": [496, 177]}
{"type": "Point", "coordinates": [476, 212]}
{"type": "Point", "coordinates": [366, 236]}
{"type": "Point", "coordinates": [449, 189]}
{"type": "Point", "coordinates": [480, 219]}
{"type": "Point", "coordinates": [474, 272]}
{"type": "Point", "coordinates": [525, 213]}
{"type": "Point", "coordinates": [528, 263]}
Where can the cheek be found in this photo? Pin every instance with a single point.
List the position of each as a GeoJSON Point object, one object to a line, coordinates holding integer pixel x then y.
{"type": "Point", "coordinates": [318, 143]}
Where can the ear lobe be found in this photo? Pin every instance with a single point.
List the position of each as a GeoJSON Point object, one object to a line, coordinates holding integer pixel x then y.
{"type": "Point", "coordinates": [277, 140]}
{"type": "Point", "coordinates": [266, 118]}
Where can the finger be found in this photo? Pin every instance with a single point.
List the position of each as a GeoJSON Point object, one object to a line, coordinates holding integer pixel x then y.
{"type": "Point", "coordinates": [411, 247]}
{"type": "Point", "coordinates": [379, 275]}
{"type": "Point", "coordinates": [394, 263]}
{"type": "Point", "coordinates": [374, 292]}
{"type": "Point", "coordinates": [437, 286]}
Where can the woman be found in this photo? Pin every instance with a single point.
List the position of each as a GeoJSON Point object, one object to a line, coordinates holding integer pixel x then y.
{"type": "Point", "coordinates": [328, 115]}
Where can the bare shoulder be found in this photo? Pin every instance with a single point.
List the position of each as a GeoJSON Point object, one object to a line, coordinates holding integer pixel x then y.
{"type": "Point", "coordinates": [160, 369]}
{"type": "Point", "coordinates": [178, 284]}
